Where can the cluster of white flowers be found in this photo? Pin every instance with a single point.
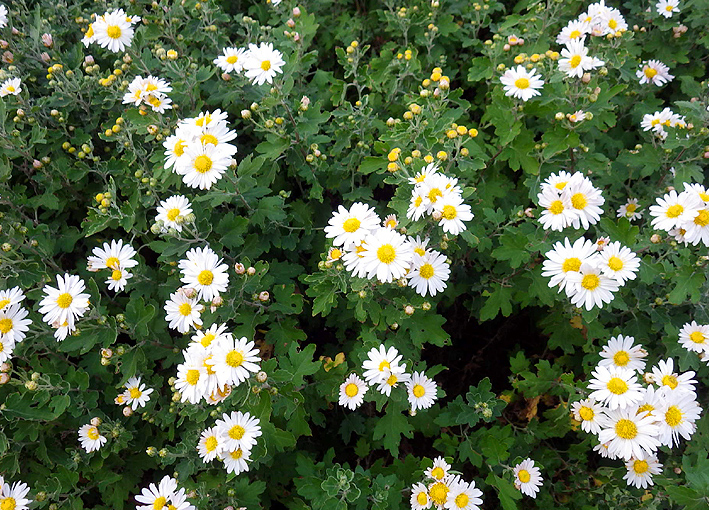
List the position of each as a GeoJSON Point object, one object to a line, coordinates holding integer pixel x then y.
{"type": "Point", "coordinates": [11, 86]}
{"type": "Point", "coordinates": [382, 369]}
{"type": "Point", "coordinates": [117, 258]}
{"type": "Point", "coordinates": [695, 338]}
{"type": "Point", "coordinates": [655, 72]}
{"type": "Point", "coordinates": [230, 440]}
{"type": "Point", "coordinates": [165, 495]}
{"type": "Point", "coordinates": [589, 272]}
{"type": "Point", "coordinates": [151, 90]}
{"type": "Point", "coordinates": [14, 497]}
{"type": "Point", "coordinates": [199, 150]}
{"type": "Point", "coordinates": [259, 63]}
{"type": "Point", "coordinates": [114, 30]}
{"type": "Point", "coordinates": [684, 215]}
{"type": "Point", "coordinates": [569, 200]}
{"type": "Point", "coordinates": [61, 306]}
{"type": "Point", "coordinates": [658, 121]}
{"type": "Point", "coordinates": [214, 363]}
{"type": "Point", "coordinates": [631, 420]}
{"type": "Point", "coordinates": [575, 60]}
{"type": "Point", "coordinates": [13, 321]}
{"type": "Point", "coordinates": [135, 394]}
{"type": "Point", "coordinates": [89, 436]}
{"type": "Point", "coordinates": [444, 490]}
{"type": "Point", "coordinates": [667, 7]}
{"type": "Point", "coordinates": [598, 21]}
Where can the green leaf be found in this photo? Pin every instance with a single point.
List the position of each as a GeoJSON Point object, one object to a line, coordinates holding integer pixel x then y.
{"type": "Point", "coordinates": [513, 247]}
{"type": "Point", "coordinates": [499, 300]}
{"type": "Point", "coordinates": [689, 282]}
{"type": "Point", "coordinates": [391, 427]}
{"type": "Point", "coordinates": [297, 365]}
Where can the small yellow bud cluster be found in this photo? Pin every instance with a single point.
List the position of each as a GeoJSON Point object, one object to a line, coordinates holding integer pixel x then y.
{"type": "Point", "coordinates": [104, 201]}
{"type": "Point", "coordinates": [407, 55]}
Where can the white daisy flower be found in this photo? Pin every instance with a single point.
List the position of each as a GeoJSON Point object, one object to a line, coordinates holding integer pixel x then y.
{"type": "Point", "coordinates": [13, 324]}
{"type": "Point", "coordinates": [618, 262]}
{"type": "Point", "coordinates": [421, 390]}
{"type": "Point", "coordinates": [234, 359]}
{"type": "Point", "coordinates": [236, 461]}
{"type": "Point", "coordinates": [565, 259]}
{"type": "Point", "coordinates": [667, 7]}
{"type": "Point", "coordinates": [697, 230]}
{"type": "Point", "coordinates": [238, 430]}
{"type": "Point", "coordinates": [528, 478]}
{"type": "Point", "coordinates": [522, 84]}
{"type": "Point", "coordinates": [204, 271]}
{"type": "Point", "coordinates": [183, 312]}
{"type": "Point", "coordinates": [424, 174]}
{"type": "Point", "coordinates": [66, 303]}
{"type": "Point", "coordinates": [175, 146]}
{"type": "Point", "coordinates": [112, 256]}
{"type": "Point", "coordinates": [173, 211]}
{"type": "Point", "coordinates": [191, 381]}
{"type": "Point", "coordinates": [655, 72]}
{"type": "Point", "coordinates": [3, 19]}
{"type": "Point", "coordinates": [352, 392]}
{"type": "Point", "coordinates": [620, 352]}
{"type": "Point", "coordinates": [674, 210]}
{"type": "Point", "coordinates": [693, 337]}
{"type": "Point", "coordinates": [573, 31]}
{"type": "Point", "coordinates": [89, 36]}
{"type": "Point", "coordinates": [212, 336]}
{"type": "Point", "coordinates": [651, 400]}
{"type": "Point", "coordinates": [678, 235]}
{"type": "Point", "coordinates": [629, 210]}
{"type": "Point", "coordinates": [419, 499]}
{"type": "Point", "coordinates": [602, 449]}
{"type": "Point", "coordinates": [208, 445]}
{"type": "Point", "coordinates": [590, 413]}
{"type": "Point", "coordinates": [417, 205]}
{"type": "Point", "coordinates": [158, 102]}
{"type": "Point", "coordinates": [231, 59]}
{"type": "Point", "coordinates": [612, 21]}
{"type": "Point", "coordinates": [575, 59]}
{"type": "Point", "coordinates": [629, 434]}
{"type": "Point", "coordinates": [438, 492]}
{"type": "Point", "coordinates": [353, 225]}
{"type": "Point", "coordinates": [11, 86]}
{"type": "Point", "coordinates": [387, 255]}
{"type": "Point", "coordinates": [602, 242]}
{"type": "Point", "coordinates": [263, 63]}
{"type": "Point", "coordinates": [439, 470]}
{"type": "Point", "coordinates": [137, 395]}
{"type": "Point", "coordinates": [615, 387]}
{"type": "Point", "coordinates": [178, 501]}
{"type": "Point", "coordinates": [640, 471]}
{"type": "Point", "coordinates": [676, 415]}
{"type": "Point", "coordinates": [11, 296]}
{"type": "Point", "coordinates": [668, 380]}
{"type": "Point", "coordinates": [463, 496]}
{"type": "Point", "coordinates": [353, 259]}
{"type": "Point", "coordinates": [589, 287]}
{"type": "Point", "coordinates": [154, 497]}
{"type": "Point", "coordinates": [392, 380]}
{"type": "Point", "coordinates": [14, 497]}
{"type": "Point", "coordinates": [6, 348]}
{"type": "Point", "coordinates": [334, 254]}
{"type": "Point", "coordinates": [202, 165]}
{"type": "Point", "coordinates": [118, 280]}
{"type": "Point", "coordinates": [699, 190]}
{"type": "Point", "coordinates": [390, 221]}
{"type": "Point", "coordinates": [453, 214]}
{"type": "Point", "coordinates": [655, 122]}
{"type": "Point", "coordinates": [419, 245]}
{"type": "Point", "coordinates": [557, 181]}
{"type": "Point", "coordinates": [429, 273]}
{"type": "Point", "coordinates": [558, 212]}
{"type": "Point", "coordinates": [585, 199]}
{"type": "Point", "coordinates": [113, 31]}
{"type": "Point", "coordinates": [90, 438]}
{"type": "Point", "coordinates": [577, 116]}
{"type": "Point", "coordinates": [380, 363]}
{"type": "Point", "coordinates": [433, 189]}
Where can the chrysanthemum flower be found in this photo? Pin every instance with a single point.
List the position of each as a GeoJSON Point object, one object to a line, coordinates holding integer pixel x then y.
{"type": "Point", "coordinates": [352, 225]}
{"type": "Point", "coordinates": [90, 438]}
{"type": "Point", "coordinates": [172, 212]}
{"type": "Point", "coordinates": [11, 296]}
{"type": "Point", "coordinates": [236, 461]}
{"type": "Point", "coordinates": [429, 273]}
{"type": "Point", "coordinates": [590, 287]}
{"type": "Point", "coordinates": [113, 31]}
{"type": "Point", "coordinates": [204, 271]}
{"type": "Point", "coordinates": [112, 256]}
{"type": "Point", "coordinates": [522, 84]}
{"type": "Point", "coordinates": [118, 280]}
{"type": "Point", "coordinates": [575, 61]}
{"type": "Point", "coordinates": [263, 63]}
{"type": "Point", "coordinates": [640, 471]}
{"type": "Point", "coordinates": [191, 380]}
{"type": "Point", "coordinates": [231, 59]}
{"type": "Point", "coordinates": [453, 213]}
{"type": "Point", "coordinates": [673, 210]}
{"type": "Point", "coordinates": [438, 492]}
{"type": "Point", "coordinates": [202, 165]}
{"type": "Point", "coordinates": [463, 496]}
{"type": "Point", "coordinates": [667, 7]}
{"type": "Point", "coordinates": [238, 430]}
{"type": "Point", "coordinates": [590, 413]}
{"type": "Point", "coordinates": [439, 470]}
{"type": "Point", "coordinates": [528, 478]}
{"type": "Point", "coordinates": [380, 363]}
{"type": "Point", "coordinates": [585, 199]}
{"type": "Point", "coordinates": [676, 415]}
{"type": "Point", "coordinates": [655, 72]}
{"type": "Point", "coordinates": [422, 391]}
{"type": "Point", "coordinates": [558, 212]}
{"type": "Point", "coordinates": [629, 210]}
{"type": "Point", "coordinates": [154, 497]}
{"type": "Point", "coordinates": [620, 352]}
{"type": "Point", "coordinates": [234, 360]}
{"type": "Point", "coordinates": [208, 445]}
{"type": "Point", "coordinates": [12, 86]}
{"type": "Point", "coordinates": [14, 497]}
{"type": "Point", "coordinates": [13, 324]}
{"type": "Point", "coordinates": [6, 348]}
{"type": "Point", "coordinates": [392, 381]}
{"type": "Point", "coordinates": [137, 395]}
{"type": "Point", "coordinates": [419, 499]}
{"type": "Point", "coordinates": [565, 259]}
{"type": "Point", "coordinates": [669, 381]}
{"type": "Point", "coordinates": [617, 261]}
{"type": "Point", "coordinates": [352, 392]}
{"type": "Point", "coordinates": [695, 337]}
{"type": "Point", "coordinates": [616, 387]}
{"type": "Point", "coordinates": [697, 230]}
{"type": "Point", "coordinates": [183, 312]}
{"type": "Point", "coordinates": [66, 303]}
{"type": "Point", "coordinates": [387, 255]}
{"type": "Point", "coordinates": [424, 174]}
{"type": "Point", "coordinates": [574, 30]}
{"type": "Point", "coordinates": [629, 434]}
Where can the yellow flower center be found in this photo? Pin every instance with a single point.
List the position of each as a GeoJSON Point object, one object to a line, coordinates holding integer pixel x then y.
{"type": "Point", "coordinates": [461, 500]}
{"type": "Point", "coordinates": [64, 300]}
{"type": "Point", "coordinates": [391, 381]}
{"type": "Point", "coordinates": [113, 31]}
{"type": "Point", "coordinates": [621, 358]}
{"type": "Point", "coordinates": [234, 359]}
{"type": "Point", "coordinates": [586, 413]}
{"type": "Point", "coordinates": [438, 493]}
{"type": "Point", "coordinates": [205, 277]}
{"type": "Point", "coordinates": [696, 336]}
{"type": "Point", "coordinates": [571, 264]}
{"type": "Point", "coordinates": [135, 393]}
{"type": "Point", "coordinates": [179, 148]}
{"type": "Point", "coordinates": [10, 89]}
{"type": "Point", "coordinates": [612, 24]}
{"type": "Point", "coordinates": [640, 466]}
{"type": "Point", "coordinates": [418, 250]}
{"type": "Point", "coordinates": [206, 340]}
{"type": "Point", "coordinates": [647, 407]}
{"type": "Point", "coordinates": [2, 347]}
{"type": "Point", "coordinates": [266, 65]}
{"type": "Point", "coordinates": [351, 225]}
{"type": "Point", "coordinates": [524, 476]}
{"type": "Point", "coordinates": [673, 416]}
{"type": "Point", "coordinates": [384, 365]}
{"type": "Point", "coordinates": [615, 263]}
{"type": "Point", "coordinates": [560, 185]}
{"type": "Point", "coordinates": [522, 83]}
{"type": "Point", "coordinates": [669, 8]}
{"type": "Point", "coordinates": [116, 275]}
{"type": "Point", "coordinates": [650, 73]}
{"type": "Point", "coordinates": [237, 454]}
{"type": "Point", "coordinates": [90, 31]}
{"type": "Point", "coordinates": [159, 503]}
{"type": "Point", "coordinates": [434, 194]}
{"type": "Point", "coordinates": [655, 122]}
{"type": "Point", "coordinates": [419, 391]}
{"type": "Point", "coordinates": [202, 163]}
{"type": "Point", "coordinates": [8, 503]}
{"type": "Point", "coordinates": [704, 196]}
{"type": "Point", "coordinates": [208, 138]}
{"type": "Point", "coordinates": [210, 444]}
{"type": "Point", "coordinates": [192, 377]}
{"type": "Point", "coordinates": [575, 34]}
{"type": "Point", "coordinates": [418, 201]}
{"type": "Point", "coordinates": [630, 208]}
{"type": "Point", "coordinates": [154, 101]}
{"type": "Point", "coordinates": [426, 271]}
{"type": "Point", "coordinates": [449, 212]}
{"type": "Point", "coordinates": [626, 429]}
{"type": "Point", "coordinates": [391, 223]}
{"type": "Point", "coordinates": [386, 254]}
{"type": "Point", "coordinates": [92, 433]}
{"type": "Point", "coordinates": [556, 207]}
{"type": "Point", "coordinates": [422, 498]}
{"type": "Point", "coordinates": [674, 210]}
{"type": "Point", "coordinates": [575, 61]}
{"type": "Point", "coordinates": [173, 213]}
{"type": "Point", "coordinates": [4, 303]}
{"type": "Point", "coordinates": [671, 381]}
{"type": "Point", "coordinates": [5, 326]}
{"type": "Point", "coordinates": [237, 432]}
{"type": "Point", "coordinates": [702, 219]}
{"type": "Point", "coordinates": [335, 254]}
{"type": "Point", "coordinates": [185, 309]}
{"type": "Point", "coordinates": [351, 390]}
{"type": "Point", "coordinates": [113, 262]}
{"type": "Point", "coordinates": [590, 282]}
{"type": "Point", "coordinates": [617, 386]}
{"type": "Point", "coordinates": [438, 473]}
{"type": "Point", "coordinates": [232, 59]}
{"type": "Point", "coordinates": [579, 201]}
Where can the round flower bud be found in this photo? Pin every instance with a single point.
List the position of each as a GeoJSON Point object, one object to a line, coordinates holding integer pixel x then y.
{"type": "Point", "coordinates": [264, 296]}
{"type": "Point", "coordinates": [127, 411]}
{"type": "Point", "coordinates": [35, 376]}
{"type": "Point", "coordinates": [95, 421]}
{"type": "Point", "coordinates": [261, 377]}
{"type": "Point", "coordinates": [251, 271]}
{"type": "Point", "coordinates": [162, 453]}
{"type": "Point", "coordinates": [5, 367]}
{"type": "Point", "coordinates": [31, 385]}
{"type": "Point", "coordinates": [426, 306]}
{"type": "Point", "coordinates": [409, 310]}
{"type": "Point", "coordinates": [4, 378]}
{"type": "Point", "coordinates": [655, 239]}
